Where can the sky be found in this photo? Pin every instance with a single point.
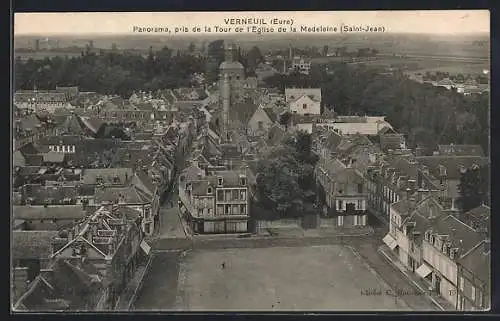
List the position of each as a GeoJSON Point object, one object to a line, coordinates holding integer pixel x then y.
{"type": "Point", "coordinates": [109, 23]}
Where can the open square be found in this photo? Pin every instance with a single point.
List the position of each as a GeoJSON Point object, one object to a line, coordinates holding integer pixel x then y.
{"type": "Point", "coordinates": [320, 278]}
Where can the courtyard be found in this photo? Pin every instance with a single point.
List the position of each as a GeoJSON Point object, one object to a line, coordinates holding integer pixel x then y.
{"type": "Point", "coordinates": [319, 278]}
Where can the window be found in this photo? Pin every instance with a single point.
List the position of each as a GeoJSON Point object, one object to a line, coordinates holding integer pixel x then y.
{"type": "Point", "coordinates": [220, 209]}
{"type": "Point", "coordinates": [219, 181]}
{"type": "Point", "coordinates": [261, 125]}
{"type": "Point", "coordinates": [220, 196]}
{"type": "Point", "coordinates": [235, 195]}
{"type": "Point", "coordinates": [473, 293]}
{"type": "Point", "coordinates": [360, 188]}
{"type": "Point", "coordinates": [340, 205]}
{"type": "Point", "coordinates": [209, 211]}
{"type": "Point", "coordinates": [209, 190]}
{"type": "Point", "coordinates": [304, 106]}
{"type": "Point", "coordinates": [356, 220]}
{"type": "Point", "coordinates": [227, 209]}
{"type": "Point", "coordinates": [243, 181]}
{"type": "Point", "coordinates": [340, 220]}
{"type": "Point", "coordinates": [243, 195]}
{"type": "Point", "coordinates": [243, 209]}
{"type": "Point", "coordinates": [360, 205]}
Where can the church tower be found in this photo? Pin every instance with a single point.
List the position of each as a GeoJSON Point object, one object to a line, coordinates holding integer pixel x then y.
{"type": "Point", "coordinates": [231, 79]}
{"type": "Point", "coordinates": [225, 94]}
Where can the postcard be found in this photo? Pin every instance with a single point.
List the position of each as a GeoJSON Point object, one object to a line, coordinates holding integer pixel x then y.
{"type": "Point", "coordinates": [251, 161]}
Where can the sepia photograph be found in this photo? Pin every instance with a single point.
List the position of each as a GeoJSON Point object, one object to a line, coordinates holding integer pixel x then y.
{"type": "Point", "coordinates": [251, 161]}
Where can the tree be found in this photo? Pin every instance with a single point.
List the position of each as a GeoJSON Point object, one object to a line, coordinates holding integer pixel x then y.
{"type": "Point", "coordinates": [285, 176]}
{"type": "Point", "coordinates": [253, 58]}
{"type": "Point", "coordinates": [474, 187]}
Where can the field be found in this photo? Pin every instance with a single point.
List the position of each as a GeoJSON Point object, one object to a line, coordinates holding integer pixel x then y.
{"type": "Point", "coordinates": [321, 278]}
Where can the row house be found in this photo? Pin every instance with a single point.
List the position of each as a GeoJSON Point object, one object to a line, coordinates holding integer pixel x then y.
{"type": "Point", "coordinates": [133, 115]}
{"type": "Point", "coordinates": [343, 193]}
{"type": "Point", "coordinates": [46, 100]}
{"type": "Point", "coordinates": [445, 172]}
{"type": "Point", "coordinates": [439, 248]}
{"type": "Point", "coordinates": [393, 178]}
{"type": "Point", "coordinates": [215, 203]}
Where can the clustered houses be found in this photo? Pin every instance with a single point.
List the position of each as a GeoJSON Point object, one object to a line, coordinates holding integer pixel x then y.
{"type": "Point", "coordinates": [218, 202]}
{"type": "Point", "coordinates": [65, 169]}
{"type": "Point", "coordinates": [84, 267]}
{"type": "Point", "coordinates": [448, 254]}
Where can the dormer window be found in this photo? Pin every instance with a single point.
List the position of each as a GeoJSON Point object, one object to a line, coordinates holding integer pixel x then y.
{"type": "Point", "coordinates": [219, 181]}
{"type": "Point", "coordinates": [243, 181]}
{"type": "Point", "coordinates": [209, 190]}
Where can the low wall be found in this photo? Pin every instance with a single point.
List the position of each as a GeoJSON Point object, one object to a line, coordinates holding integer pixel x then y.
{"type": "Point", "coordinates": [276, 224]}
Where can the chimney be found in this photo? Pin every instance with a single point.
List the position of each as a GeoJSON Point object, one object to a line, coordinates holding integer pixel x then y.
{"type": "Point", "coordinates": [20, 281]}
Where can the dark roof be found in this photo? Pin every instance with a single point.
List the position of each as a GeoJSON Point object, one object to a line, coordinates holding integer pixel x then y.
{"type": "Point", "coordinates": [271, 114]}
{"type": "Point", "coordinates": [461, 150]}
{"type": "Point", "coordinates": [129, 195]}
{"type": "Point", "coordinates": [72, 288]}
{"type": "Point", "coordinates": [480, 212]}
{"type": "Point", "coordinates": [460, 234]}
{"type": "Point", "coordinates": [230, 178]}
{"type": "Point", "coordinates": [35, 212]}
{"type": "Point", "coordinates": [478, 261]}
{"type": "Point", "coordinates": [32, 244]}
{"type": "Point", "coordinates": [451, 163]}
{"type": "Point", "coordinates": [64, 139]}
{"type": "Point", "coordinates": [109, 175]}
{"type": "Point", "coordinates": [390, 141]}
{"type": "Point", "coordinates": [41, 193]}
{"type": "Point", "coordinates": [28, 149]}
{"type": "Point", "coordinates": [191, 173]}
{"type": "Point", "coordinates": [242, 112]}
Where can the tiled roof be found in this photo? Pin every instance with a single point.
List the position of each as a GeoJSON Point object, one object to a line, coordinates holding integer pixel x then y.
{"type": "Point", "coordinates": [129, 195]}
{"type": "Point", "coordinates": [35, 212]}
{"type": "Point", "coordinates": [451, 163]}
{"type": "Point", "coordinates": [40, 193]}
{"type": "Point", "coordinates": [108, 175]}
{"type": "Point", "coordinates": [391, 141]}
{"type": "Point", "coordinates": [32, 244]}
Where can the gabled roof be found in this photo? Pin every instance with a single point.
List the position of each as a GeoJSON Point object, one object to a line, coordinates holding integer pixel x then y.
{"type": "Point", "coordinates": [478, 261]}
{"type": "Point", "coordinates": [271, 114]}
{"type": "Point", "coordinates": [460, 234]}
{"type": "Point", "coordinates": [70, 288]}
{"type": "Point", "coordinates": [242, 112]}
{"type": "Point", "coordinates": [292, 94]}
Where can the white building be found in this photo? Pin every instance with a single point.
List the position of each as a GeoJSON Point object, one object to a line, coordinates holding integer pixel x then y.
{"type": "Point", "coordinates": [303, 101]}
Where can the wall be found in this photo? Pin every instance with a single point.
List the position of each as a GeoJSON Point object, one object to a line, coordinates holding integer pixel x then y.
{"type": "Point", "coordinates": [312, 107]}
